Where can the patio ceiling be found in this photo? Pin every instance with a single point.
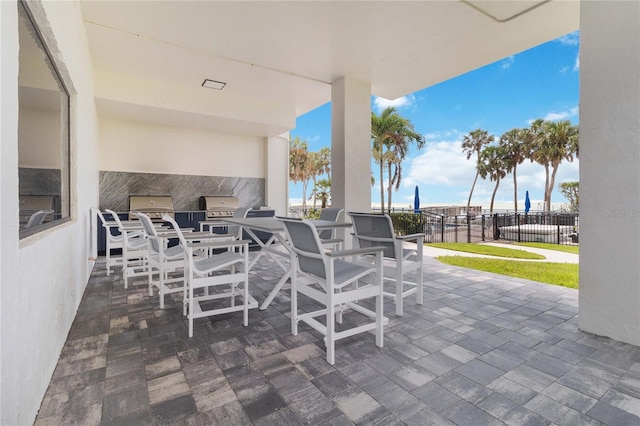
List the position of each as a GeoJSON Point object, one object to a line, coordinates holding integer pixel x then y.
{"type": "Point", "coordinates": [280, 58]}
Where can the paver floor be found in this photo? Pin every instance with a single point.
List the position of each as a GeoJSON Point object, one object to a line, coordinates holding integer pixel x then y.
{"type": "Point", "coordinates": [483, 349]}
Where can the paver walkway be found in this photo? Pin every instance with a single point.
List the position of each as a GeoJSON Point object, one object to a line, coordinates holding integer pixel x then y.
{"type": "Point", "coordinates": [483, 349]}
{"type": "Point", "coordinates": [550, 255]}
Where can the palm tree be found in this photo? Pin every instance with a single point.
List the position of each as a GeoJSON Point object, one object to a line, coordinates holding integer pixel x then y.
{"type": "Point", "coordinates": [561, 144]}
{"type": "Point", "coordinates": [553, 142]}
{"type": "Point", "coordinates": [391, 135]}
{"type": "Point", "coordinates": [322, 190]}
{"type": "Point", "coordinates": [324, 157]}
{"type": "Point", "coordinates": [472, 144]}
{"type": "Point", "coordinates": [399, 147]}
{"type": "Point", "coordinates": [517, 148]}
{"type": "Point", "coordinates": [494, 162]}
{"type": "Point", "coordinates": [299, 165]}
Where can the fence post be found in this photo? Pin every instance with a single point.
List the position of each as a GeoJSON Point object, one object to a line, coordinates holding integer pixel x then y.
{"type": "Point", "coordinates": [483, 223]}
{"type": "Point", "coordinates": [442, 229]}
{"type": "Point", "coordinates": [518, 222]}
{"type": "Point", "coordinates": [558, 222]}
{"type": "Point", "coordinates": [468, 228]}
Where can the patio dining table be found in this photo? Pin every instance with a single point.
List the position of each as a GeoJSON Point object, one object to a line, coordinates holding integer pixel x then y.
{"type": "Point", "coordinates": [273, 226]}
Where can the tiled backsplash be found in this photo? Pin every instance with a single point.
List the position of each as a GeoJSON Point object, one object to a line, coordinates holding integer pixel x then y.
{"type": "Point", "coordinates": [186, 190]}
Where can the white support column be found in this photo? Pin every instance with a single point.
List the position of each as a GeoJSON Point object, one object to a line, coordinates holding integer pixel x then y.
{"type": "Point", "coordinates": [609, 169]}
{"type": "Point", "coordinates": [277, 173]}
{"type": "Point", "coordinates": [351, 145]}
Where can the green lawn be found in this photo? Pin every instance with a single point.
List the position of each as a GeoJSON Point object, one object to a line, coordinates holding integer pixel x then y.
{"type": "Point", "coordinates": [556, 247]}
{"type": "Point", "coordinates": [488, 250]}
{"type": "Point", "coordinates": [563, 274]}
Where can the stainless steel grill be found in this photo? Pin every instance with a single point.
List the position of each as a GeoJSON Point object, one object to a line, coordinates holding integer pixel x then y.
{"type": "Point", "coordinates": [153, 206]}
{"type": "Point", "coordinates": [219, 206]}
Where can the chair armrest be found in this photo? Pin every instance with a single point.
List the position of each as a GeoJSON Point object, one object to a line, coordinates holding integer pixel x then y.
{"type": "Point", "coordinates": [332, 241]}
{"type": "Point", "coordinates": [204, 236]}
{"type": "Point", "coordinates": [374, 239]}
{"type": "Point", "coordinates": [220, 244]}
{"type": "Point", "coordinates": [354, 252]}
{"type": "Point", "coordinates": [410, 237]}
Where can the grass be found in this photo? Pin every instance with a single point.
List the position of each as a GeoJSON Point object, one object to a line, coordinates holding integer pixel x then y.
{"type": "Point", "coordinates": [488, 250]}
{"type": "Point", "coordinates": [562, 274]}
{"type": "Point", "coordinates": [556, 247]}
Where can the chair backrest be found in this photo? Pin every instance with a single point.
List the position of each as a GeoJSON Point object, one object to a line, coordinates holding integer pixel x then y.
{"type": "Point", "coordinates": [104, 223]}
{"type": "Point", "coordinates": [376, 230]}
{"type": "Point", "coordinates": [332, 214]}
{"type": "Point", "coordinates": [176, 227]}
{"type": "Point", "coordinates": [241, 213]}
{"type": "Point", "coordinates": [37, 218]}
{"type": "Point", "coordinates": [126, 237]}
{"type": "Point", "coordinates": [115, 217]}
{"type": "Point", "coordinates": [305, 243]}
{"type": "Point", "coordinates": [149, 230]}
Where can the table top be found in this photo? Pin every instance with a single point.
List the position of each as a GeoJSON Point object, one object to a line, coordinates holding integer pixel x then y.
{"type": "Point", "coordinates": [272, 224]}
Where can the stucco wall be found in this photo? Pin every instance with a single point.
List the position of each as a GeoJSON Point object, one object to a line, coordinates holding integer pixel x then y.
{"type": "Point", "coordinates": [609, 172]}
{"type": "Point", "coordinates": [129, 146]}
{"type": "Point", "coordinates": [43, 277]}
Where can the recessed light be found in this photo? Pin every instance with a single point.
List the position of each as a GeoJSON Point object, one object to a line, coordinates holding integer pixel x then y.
{"type": "Point", "coordinates": [212, 84]}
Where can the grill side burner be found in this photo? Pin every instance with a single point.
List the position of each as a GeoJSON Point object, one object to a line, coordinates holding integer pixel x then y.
{"type": "Point", "coordinates": [153, 206]}
{"type": "Point", "coordinates": [219, 207]}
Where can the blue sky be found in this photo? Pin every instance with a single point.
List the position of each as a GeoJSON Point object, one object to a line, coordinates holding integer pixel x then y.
{"type": "Point", "coordinates": [541, 82]}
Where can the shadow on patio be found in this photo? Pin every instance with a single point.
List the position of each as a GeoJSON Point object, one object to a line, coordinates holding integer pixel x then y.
{"type": "Point", "coordinates": [483, 349]}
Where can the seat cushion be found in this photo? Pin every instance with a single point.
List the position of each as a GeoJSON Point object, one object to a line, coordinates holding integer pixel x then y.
{"type": "Point", "coordinates": [217, 261]}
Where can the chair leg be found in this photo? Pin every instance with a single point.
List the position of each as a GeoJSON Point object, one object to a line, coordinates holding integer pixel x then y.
{"type": "Point", "coordinates": [245, 297]}
{"type": "Point", "coordinates": [150, 277]}
{"type": "Point", "coordinates": [161, 279]}
{"type": "Point", "coordinates": [399, 288]}
{"type": "Point", "coordinates": [233, 287]}
{"type": "Point", "coordinates": [294, 304]}
{"type": "Point", "coordinates": [108, 255]}
{"type": "Point", "coordinates": [379, 305]}
{"type": "Point", "coordinates": [330, 338]}
{"type": "Point", "coordinates": [190, 311]}
{"type": "Point", "coordinates": [419, 283]}
{"type": "Point", "coordinates": [340, 310]}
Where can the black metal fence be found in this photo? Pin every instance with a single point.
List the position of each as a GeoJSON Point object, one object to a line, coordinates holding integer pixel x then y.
{"type": "Point", "coordinates": [553, 228]}
{"type": "Point", "coordinates": [544, 227]}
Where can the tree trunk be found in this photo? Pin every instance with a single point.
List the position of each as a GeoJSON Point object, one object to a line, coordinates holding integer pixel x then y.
{"type": "Point", "coordinates": [515, 189]}
{"type": "Point", "coordinates": [389, 189]}
{"type": "Point", "coordinates": [315, 192]}
{"type": "Point", "coordinates": [471, 193]}
{"type": "Point", "coordinates": [305, 184]}
{"type": "Point", "coordinates": [493, 196]}
{"type": "Point", "coordinates": [381, 183]}
{"type": "Point", "coordinates": [552, 183]}
{"type": "Point", "coordinates": [547, 206]}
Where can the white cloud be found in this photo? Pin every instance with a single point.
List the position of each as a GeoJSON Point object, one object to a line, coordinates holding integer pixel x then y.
{"type": "Point", "coordinates": [555, 116]}
{"type": "Point", "coordinates": [562, 115]}
{"type": "Point", "coordinates": [576, 66]}
{"type": "Point", "coordinates": [444, 176]}
{"type": "Point", "coordinates": [571, 39]}
{"type": "Point", "coordinates": [507, 62]}
{"type": "Point", "coordinates": [403, 101]}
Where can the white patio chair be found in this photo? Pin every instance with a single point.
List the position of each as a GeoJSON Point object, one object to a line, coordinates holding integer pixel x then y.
{"type": "Point", "coordinates": [326, 280]}
{"type": "Point", "coordinates": [377, 230]}
{"type": "Point", "coordinates": [114, 242]}
{"type": "Point", "coordinates": [234, 230]}
{"type": "Point", "coordinates": [163, 259]}
{"type": "Point", "coordinates": [328, 236]}
{"type": "Point", "coordinates": [134, 251]}
{"type": "Point", "coordinates": [214, 271]}
{"type": "Point", "coordinates": [37, 218]}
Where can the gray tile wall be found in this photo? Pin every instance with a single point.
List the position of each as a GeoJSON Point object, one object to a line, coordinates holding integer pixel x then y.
{"type": "Point", "coordinates": [115, 188]}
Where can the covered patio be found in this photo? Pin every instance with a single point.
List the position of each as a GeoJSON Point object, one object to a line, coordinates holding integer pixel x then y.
{"type": "Point", "coordinates": [483, 349]}
{"type": "Point", "coordinates": [136, 106]}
